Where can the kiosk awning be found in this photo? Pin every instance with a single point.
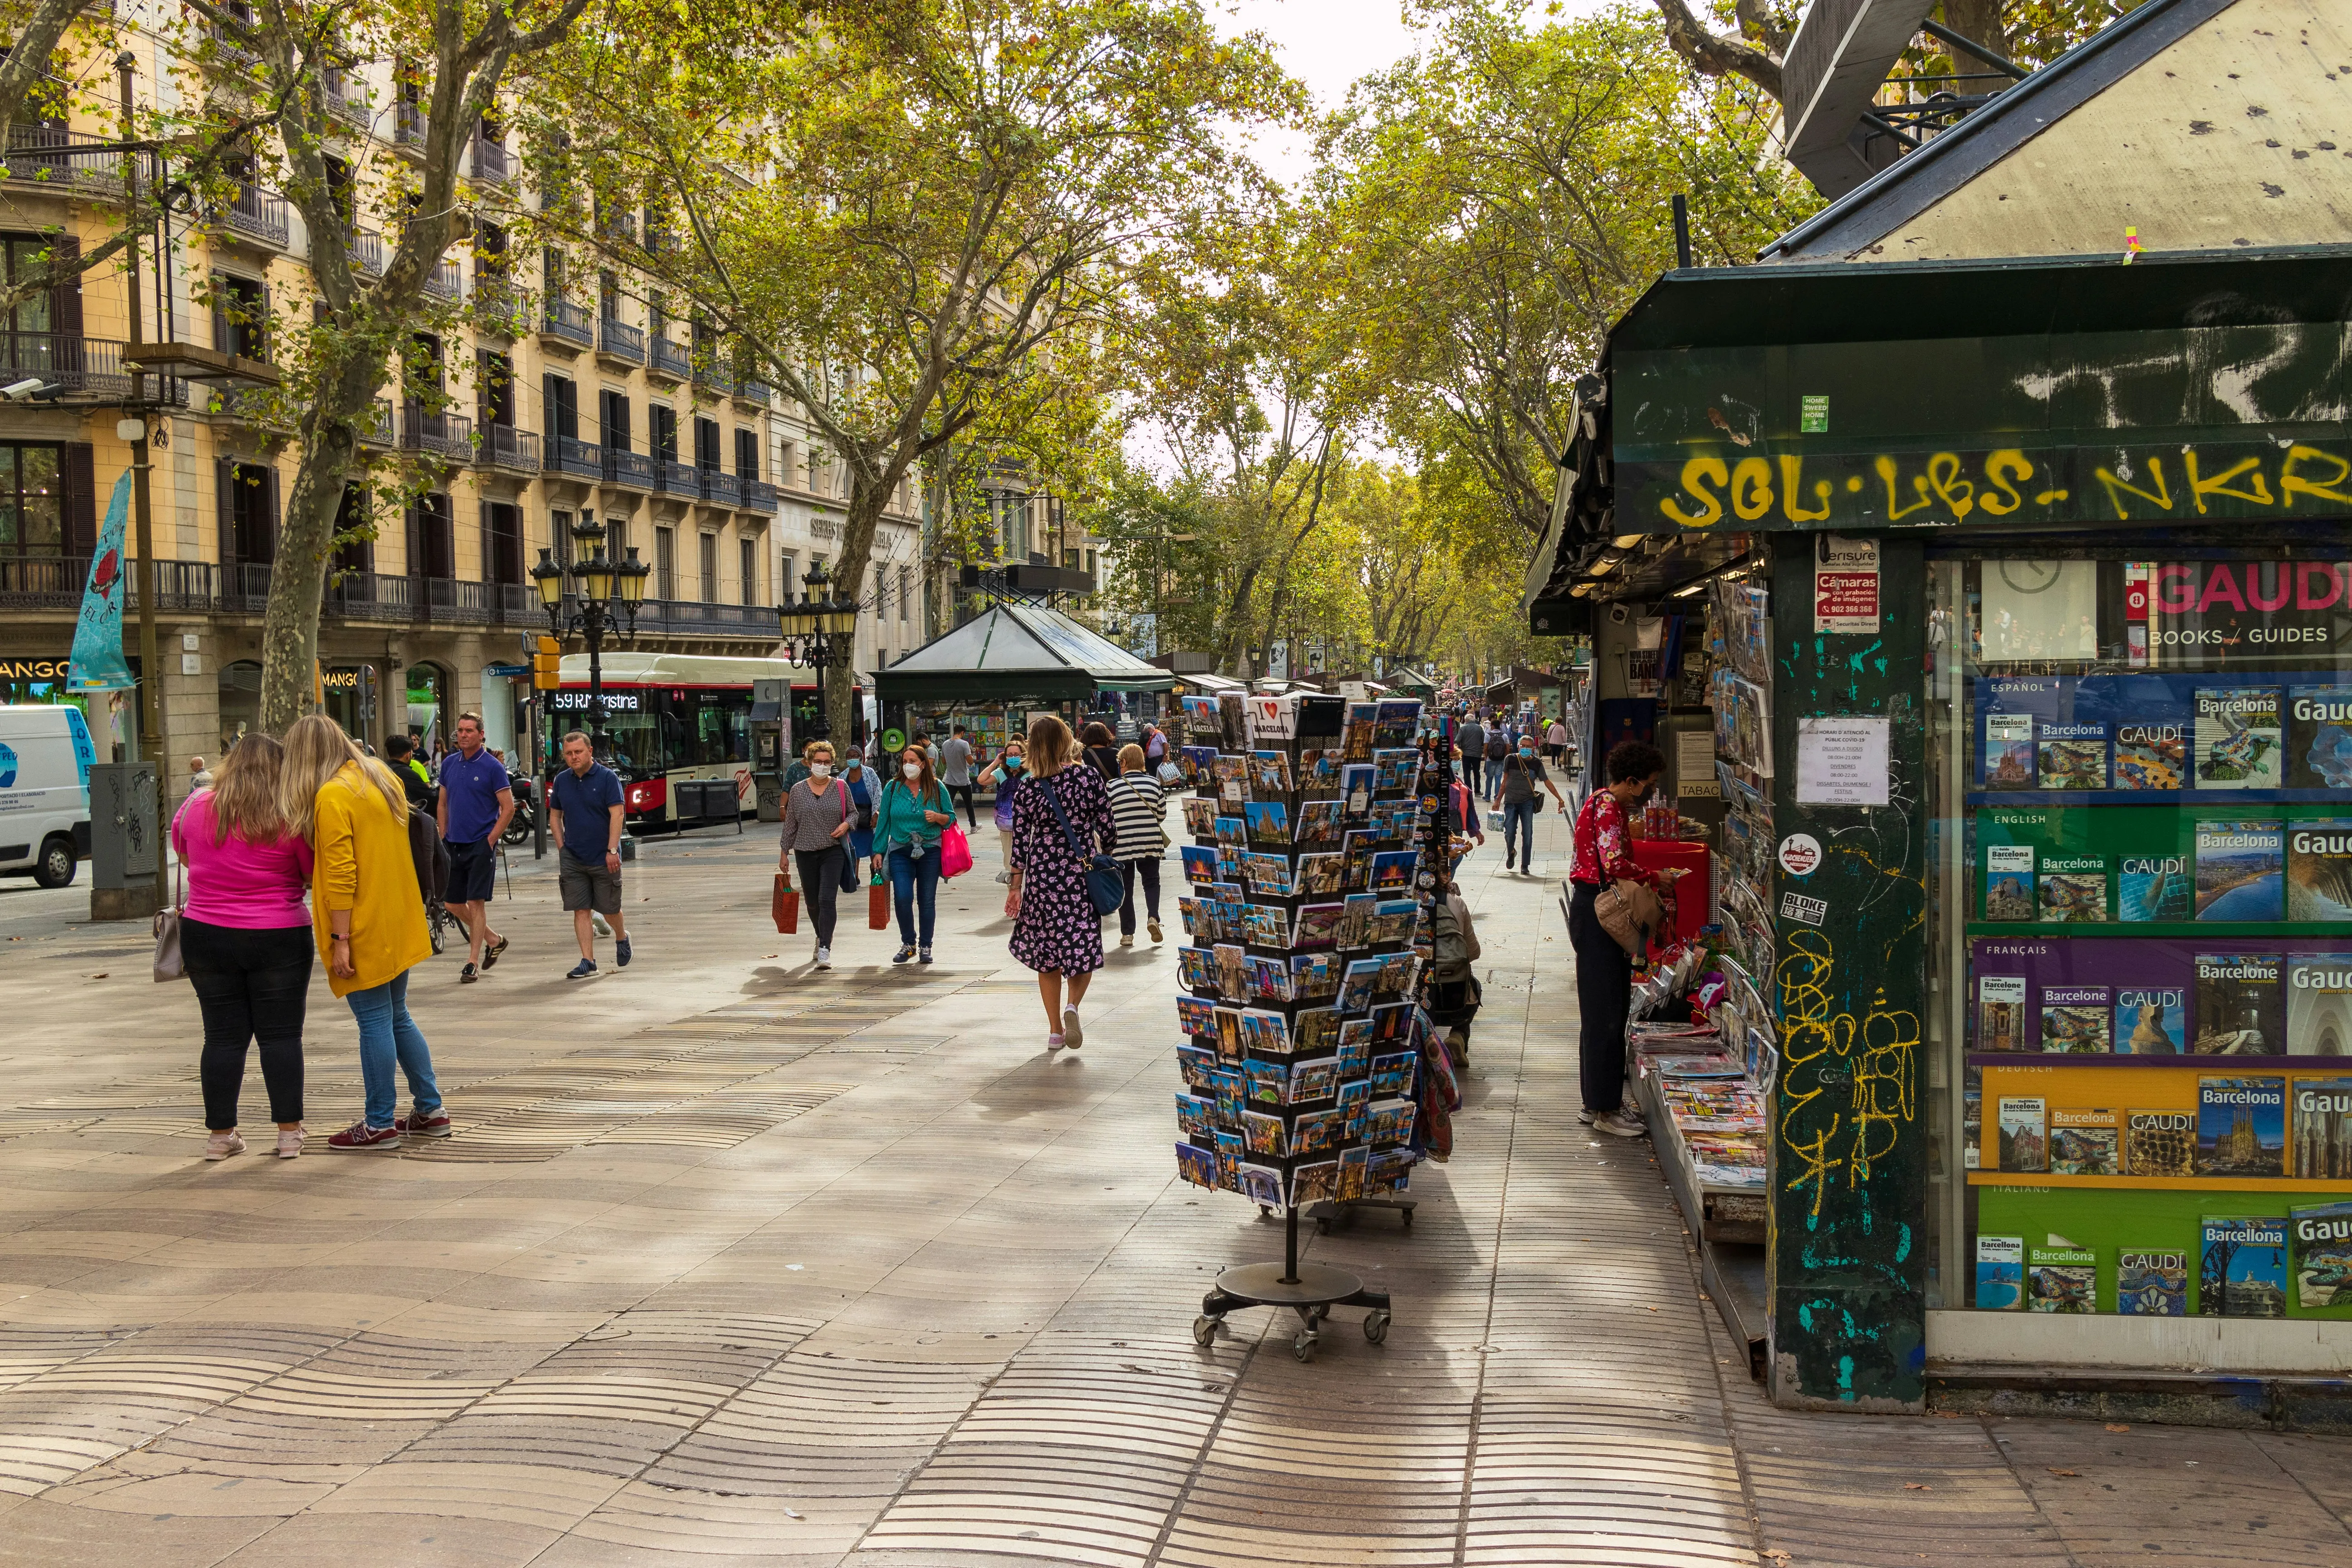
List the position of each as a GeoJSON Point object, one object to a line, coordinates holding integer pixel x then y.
{"type": "Point", "coordinates": [1015, 652]}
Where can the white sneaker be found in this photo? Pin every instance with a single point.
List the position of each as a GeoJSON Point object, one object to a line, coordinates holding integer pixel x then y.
{"type": "Point", "coordinates": [596, 920]}
{"type": "Point", "coordinates": [1618, 1125]}
{"type": "Point", "coordinates": [1073, 1036]}
{"type": "Point", "coordinates": [825, 958]}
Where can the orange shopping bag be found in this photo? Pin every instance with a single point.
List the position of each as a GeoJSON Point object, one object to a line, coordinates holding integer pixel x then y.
{"type": "Point", "coordinates": [786, 906]}
{"type": "Point", "coordinates": [878, 907]}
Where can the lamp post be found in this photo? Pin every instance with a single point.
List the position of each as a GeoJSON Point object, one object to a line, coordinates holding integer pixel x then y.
{"type": "Point", "coordinates": [601, 585]}
{"type": "Point", "coordinates": [819, 632]}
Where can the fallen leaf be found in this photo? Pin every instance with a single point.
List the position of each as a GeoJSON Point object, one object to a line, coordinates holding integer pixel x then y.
{"type": "Point", "coordinates": [2056, 1471]}
{"type": "Point", "coordinates": [1917, 1487]}
{"type": "Point", "coordinates": [1653, 1309]}
{"type": "Point", "coordinates": [2118, 1427]}
{"type": "Point", "coordinates": [99, 975]}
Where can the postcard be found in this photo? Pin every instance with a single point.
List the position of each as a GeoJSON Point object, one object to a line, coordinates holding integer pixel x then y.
{"type": "Point", "coordinates": [1195, 1065]}
{"type": "Point", "coordinates": [1317, 1131]}
{"type": "Point", "coordinates": [1198, 1167]}
{"type": "Point", "coordinates": [1231, 1091]}
{"type": "Point", "coordinates": [1264, 1134]}
{"type": "Point", "coordinates": [1318, 926]}
{"type": "Point", "coordinates": [1393, 1075]}
{"type": "Point", "coordinates": [1355, 1047]}
{"type": "Point", "coordinates": [1357, 985]}
{"type": "Point", "coordinates": [1318, 770]}
{"type": "Point", "coordinates": [1264, 1033]}
{"type": "Point", "coordinates": [1232, 970]}
{"type": "Point", "coordinates": [1270, 772]}
{"type": "Point", "coordinates": [1268, 875]}
{"type": "Point", "coordinates": [1318, 1029]}
{"type": "Point", "coordinates": [1263, 925]}
{"type": "Point", "coordinates": [1269, 823]}
{"type": "Point", "coordinates": [1362, 718]}
{"type": "Point", "coordinates": [1390, 1121]}
{"type": "Point", "coordinates": [1390, 1170]}
{"type": "Point", "coordinates": [1200, 817]}
{"type": "Point", "coordinates": [1262, 1184]}
{"type": "Point", "coordinates": [1314, 976]}
{"type": "Point", "coordinates": [1196, 1015]}
{"type": "Point", "coordinates": [1266, 1080]}
{"type": "Point", "coordinates": [1229, 1034]}
{"type": "Point", "coordinates": [1321, 822]}
{"type": "Point", "coordinates": [1197, 969]}
{"type": "Point", "coordinates": [1233, 832]}
{"type": "Point", "coordinates": [1392, 870]}
{"type": "Point", "coordinates": [1200, 863]}
{"type": "Point", "coordinates": [1269, 978]}
{"type": "Point", "coordinates": [1313, 1184]}
{"type": "Point", "coordinates": [1194, 1115]}
{"type": "Point", "coordinates": [1354, 1165]}
{"type": "Point", "coordinates": [1313, 1082]}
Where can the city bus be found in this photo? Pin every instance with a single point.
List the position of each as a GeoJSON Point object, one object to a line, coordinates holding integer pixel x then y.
{"type": "Point", "coordinates": [674, 717]}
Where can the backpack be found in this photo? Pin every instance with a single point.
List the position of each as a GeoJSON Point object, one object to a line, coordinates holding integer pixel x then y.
{"type": "Point", "coordinates": [428, 855]}
{"type": "Point", "coordinates": [1496, 745]}
{"type": "Point", "coordinates": [1449, 949]}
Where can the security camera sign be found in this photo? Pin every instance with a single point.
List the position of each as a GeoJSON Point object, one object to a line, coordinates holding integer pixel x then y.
{"type": "Point", "coordinates": [1845, 584]}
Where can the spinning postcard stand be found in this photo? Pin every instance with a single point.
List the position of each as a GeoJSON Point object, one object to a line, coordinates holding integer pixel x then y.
{"type": "Point", "coordinates": [1300, 978]}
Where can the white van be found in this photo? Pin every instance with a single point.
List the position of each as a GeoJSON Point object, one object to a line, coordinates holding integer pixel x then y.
{"type": "Point", "coordinates": [45, 758]}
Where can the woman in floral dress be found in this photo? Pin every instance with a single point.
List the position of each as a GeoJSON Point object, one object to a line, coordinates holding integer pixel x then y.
{"type": "Point", "coordinates": [1055, 930]}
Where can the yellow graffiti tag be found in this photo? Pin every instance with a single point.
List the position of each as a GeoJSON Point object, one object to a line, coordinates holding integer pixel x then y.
{"type": "Point", "coordinates": [1880, 1097]}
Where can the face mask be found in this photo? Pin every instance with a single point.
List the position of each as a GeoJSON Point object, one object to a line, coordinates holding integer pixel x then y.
{"type": "Point", "coordinates": [912, 770]}
{"type": "Point", "coordinates": [1012, 764]}
{"type": "Point", "coordinates": [819, 770]}
{"type": "Point", "coordinates": [1526, 751]}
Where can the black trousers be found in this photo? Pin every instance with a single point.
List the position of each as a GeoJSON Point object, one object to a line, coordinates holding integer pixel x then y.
{"type": "Point", "coordinates": [962, 793]}
{"type": "Point", "coordinates": [1128, 871]}
{"type": "Point", "coordinates": [820, 888]}
{"type": "Point", "coordinates": [1604, 988]}
{"type": "Point", "coordinates": [1470, 766]}
{"type": "Point", "coordinates": [251, 986]}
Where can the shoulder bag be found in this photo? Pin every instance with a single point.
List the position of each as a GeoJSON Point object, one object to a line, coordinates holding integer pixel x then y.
{"type": "Point", "coordinates": [955, 849]}
{"type": "Point", "coordinates": [168, 963]}
{"type": "Point", "coordinates": [1630, 912]}
{"type": "Point", "coordinates": [1105, 890]}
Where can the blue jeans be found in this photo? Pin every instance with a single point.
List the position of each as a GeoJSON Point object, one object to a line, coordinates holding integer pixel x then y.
{"type": "Point", "coordinates": [914, 881]}
{"type": "Point", "coordinates": [1520, 817]}
{"type": "Point", "coordinates": [388, 1035]}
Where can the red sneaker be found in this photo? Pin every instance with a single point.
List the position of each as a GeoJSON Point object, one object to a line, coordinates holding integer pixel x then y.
{"type": "Point", "coordinates": [435, 1125]}
{"type": "Point", "coordinates": [359, 1135]}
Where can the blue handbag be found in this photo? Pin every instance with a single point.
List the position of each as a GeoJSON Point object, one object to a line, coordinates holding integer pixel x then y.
{"type": "Point", "coordinates": [1106, 889]}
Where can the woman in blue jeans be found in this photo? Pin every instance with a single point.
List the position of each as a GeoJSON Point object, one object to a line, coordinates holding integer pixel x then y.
{"type": "Point", "coordinates": [368, 916]}
{"type": "Point", "coordinates": [915, 808]}
{"type": "Point", "coordinates": [1515, 787]}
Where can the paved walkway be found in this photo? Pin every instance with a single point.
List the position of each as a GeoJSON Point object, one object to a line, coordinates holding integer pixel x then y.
{"type": "Point", "coordinates": [733, 1264]}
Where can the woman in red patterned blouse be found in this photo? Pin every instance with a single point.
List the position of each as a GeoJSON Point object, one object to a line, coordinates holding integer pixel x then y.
{"type": "Point", "coordinates": [1604, 971]}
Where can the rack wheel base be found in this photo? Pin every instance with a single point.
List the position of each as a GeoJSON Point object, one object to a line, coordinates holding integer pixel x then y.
{"type": "Point", "coordinates": [1311, 1294]}
{"type": "Point", "coordinates": [1376, 1325]}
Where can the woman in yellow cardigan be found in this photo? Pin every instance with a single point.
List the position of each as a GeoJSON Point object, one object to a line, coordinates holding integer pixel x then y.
{"type": "Point", "coordinates": [369, 917]}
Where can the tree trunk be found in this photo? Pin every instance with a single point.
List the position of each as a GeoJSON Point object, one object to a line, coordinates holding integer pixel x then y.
{"type": "Point", "coordinates": [869, 493]}
{"type": "Point", "coordinates": [289, 625]}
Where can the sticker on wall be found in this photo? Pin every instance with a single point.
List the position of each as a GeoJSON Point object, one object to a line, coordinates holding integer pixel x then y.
{"type": "Point", "coordinates": [1800, 854]}
{"type": "Point", "coordinates": [1803, 910]}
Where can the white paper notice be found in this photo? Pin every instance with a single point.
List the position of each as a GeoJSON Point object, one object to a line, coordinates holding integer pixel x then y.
{"type": "Point", "coordinates": [1694, 764]}
{"type": "Point", "coordinates": [1841, 762]}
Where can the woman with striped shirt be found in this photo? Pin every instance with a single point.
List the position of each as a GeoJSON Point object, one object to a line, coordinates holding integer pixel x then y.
{"type": "Point", "coordinates": [1139, 810]}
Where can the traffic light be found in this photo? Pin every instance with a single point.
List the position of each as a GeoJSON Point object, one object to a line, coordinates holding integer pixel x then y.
{"type": "Point", "coordinates": [546, 664]}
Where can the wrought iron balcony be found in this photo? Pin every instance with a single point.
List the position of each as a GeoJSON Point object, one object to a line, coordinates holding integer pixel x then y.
{"type": "Point", "coordinates": [498, 305]}
{"type": "Point", "coordinates": [448, 599]}
{"type": "Point", "coordinates": [54, 156]}
{"type": "Point", "coordinates": [761, 497]}
{"type": "Point", "coordinates": [347, 101]}
{"type": "Point", "coordinates": [491, 161]}
{"type": "Point", "coordinates": [720, 487]}
{"type": "Point", "coordinates": [671, 359]}
{"type": "Point", "coordinates": [575, 458]}
{"type": "Point", "coordinates": [445, 280]}
{"type": "Point", "coordinates": [510, 450]}
{"type": "Point", "coordinates": [673, 478]}
{"type": "Point", "coordinates": [256, 215]}
{"type": "Point", "coordinates": [368, 252]}
{"type": "Point", "coordinates": [634, 469]}
{"type": "Point", "coordinates": [621, 341]}
{"type": "Point", "coordinates": [81, 369]}
{"type": "Point", "coordinates": [244, 587]}
{"type": "Point", "coordinates": [448, 435]}
{"type": "Point", "coordinates": [570, 322]}
{"type": "Point", "coordinates": [378, 432]}
{"type": "Point", "coordinates": [752, 389]}
{"type": "Point", "coordinates": [408, 126]}
{"type": "Point", "coordinates": [371, 597]}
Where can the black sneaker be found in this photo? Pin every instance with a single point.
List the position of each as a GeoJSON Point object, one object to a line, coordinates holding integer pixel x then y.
{"type": "Point", "coordinates": [905, 955]}
{"type": "Point", "coordinates": [493, 951]}
{"type": "Point", "coordinates": [621, 953]}
{"type": "Point", "coordinates": [468, 976]}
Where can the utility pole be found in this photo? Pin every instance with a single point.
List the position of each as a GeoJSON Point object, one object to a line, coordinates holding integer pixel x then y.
{"type": "Point", "coordinates": [150, 663]}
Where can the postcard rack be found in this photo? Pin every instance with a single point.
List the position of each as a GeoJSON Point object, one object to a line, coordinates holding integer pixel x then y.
{"type": "Point", "coordinates": [1299, 979]}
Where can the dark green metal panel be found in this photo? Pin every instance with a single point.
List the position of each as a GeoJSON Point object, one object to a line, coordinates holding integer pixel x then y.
{"type": "Point", "coordinates": [1849, 1186]}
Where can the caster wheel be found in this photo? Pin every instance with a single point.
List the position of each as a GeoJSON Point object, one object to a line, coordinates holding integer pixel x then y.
{"type": "Point", "coordinates": [1375, 1326]}
{"type": "Point", "coordinates": [1408, 1219]}
{"type": "Point", "coordinates": [1303, 1347]}
{"type": "Point", "coordinates": [1204, 1329]}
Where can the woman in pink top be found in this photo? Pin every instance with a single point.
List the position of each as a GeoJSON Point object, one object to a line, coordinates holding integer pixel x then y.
{"type": "Point", "coordinates": [245, 937]}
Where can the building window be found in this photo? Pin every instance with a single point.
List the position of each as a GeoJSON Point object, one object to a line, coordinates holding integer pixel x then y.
{"type": "Point", "coordinates": [906, 594]}
{"type": "Point", "coordinates": [747, 554]}
{"type": "Point", "coordinates": [784, 590]}
{"type": "Point", "coordinates": [747, 455]}
{"type": "Point", "coordinates": [788, 462]}
{"type": "Point", "coordinates": [240, 316]}
{"type": "Point", "coordinates": [32, 501]}
{"type": "Point", "coordinates": [707, 562]}
{"type": "Point", "coordinates": [31, 348]}
{"type": "Point", "coordinates": [665, 563]}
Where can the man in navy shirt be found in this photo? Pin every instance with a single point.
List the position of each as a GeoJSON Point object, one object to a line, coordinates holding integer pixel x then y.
{"type": "Point", "coordinates": [584, 813]}
{"type": "Point", "coordinates": [476, 802]}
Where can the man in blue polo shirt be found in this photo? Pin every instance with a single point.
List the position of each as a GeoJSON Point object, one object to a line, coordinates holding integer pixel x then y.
{"type": "Point", "coordinates": [476, 802]}
{"type": "Point", "coordinates": [584, 812]}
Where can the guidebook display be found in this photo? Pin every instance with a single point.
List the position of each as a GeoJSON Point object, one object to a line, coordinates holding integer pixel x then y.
{"type": "Point", "coordinates": [2159, 1116]}
{"type": "Point", "coordinates": [1300, 979]}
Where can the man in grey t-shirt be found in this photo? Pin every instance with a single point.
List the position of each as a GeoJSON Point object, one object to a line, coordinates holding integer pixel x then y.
{"type": "Point", "coordinates": [1472, 738]}
{"type": "Point", "coordinates": [955, 772]}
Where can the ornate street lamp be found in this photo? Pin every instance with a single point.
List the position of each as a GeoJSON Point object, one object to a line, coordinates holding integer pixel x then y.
{"type": "Point", "coordinates": [602, 585]}
{"type": "Point", "coordinates": [819, 632]}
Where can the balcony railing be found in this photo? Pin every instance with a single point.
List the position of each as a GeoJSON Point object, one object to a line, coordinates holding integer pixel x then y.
{"type": "Point", "coordinates": [232, 46]}
{"type": "Point", "coordinates": [244, 588]}
{"type": "Point", "coordinates": [519, 605]}
{"type": "Point", "coordinates": [688, 617]}
{"type": "Point", "coordinates": [450, 436]}
{"type": "Point", "coordinates": [498, 305]}
{"type": "Point", "coordinates": [752, 389]}
{"type": "Point", "coordinates": [761, 497]}
{"type": "Point", "coordinates": [256, 215]}
{"type": "Point", "coordinates": [347, 101]}
{"type": "Point", "coordinates": [368, 252]}
{"type": "Point", "coordinates": [57, 583]}
{"type": "Point", "coordinates": [371, 596]}
{"type": "Point", "coordinates": [621, 341]}
{"type": "Point", "coordinates": [446, 280]}
{"type": "Point", "coordinates": [579, 459]}
{"type": "Point", "coordinates": [634, 469]}
{"type": "Point", "coordinates": [491, 161]}
{"type": "Point", "coordinates": [673, 478]}
{"type": "Point", "coordinates": [52, 155]}
{"type": "Point", "coordinates": [257, 406]}
{"type": "Point", "coordinates": [179, 585]}
{"type": "Point", "coordinates": [671, 359]}
{"type": "Point", "coordinates": [378, 431]}
{"type": "Point", "coordinates": [80, 368]}
{"type": "Point", "coordinates": [569, 322]}
{"type": "Point", "coordinates": [408, 124]}
{"type": "Point", "coordinates": [510, 450]}
{"type": "Point", "coordinates": [448, 599]}
{"type": "Point", "coordinates": [722, 489]}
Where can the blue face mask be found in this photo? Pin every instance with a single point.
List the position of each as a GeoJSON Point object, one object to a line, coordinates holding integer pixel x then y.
{"type": "Point", "coordinates": [1526, 750]}
{"type": "Point", "coordinates": [1012, 764]}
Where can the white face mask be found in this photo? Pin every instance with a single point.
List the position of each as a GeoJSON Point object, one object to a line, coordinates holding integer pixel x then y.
{"type": "Point", "coordinates": [912, 770]}
{"type": "Point", "coordinates": [819, 770]}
